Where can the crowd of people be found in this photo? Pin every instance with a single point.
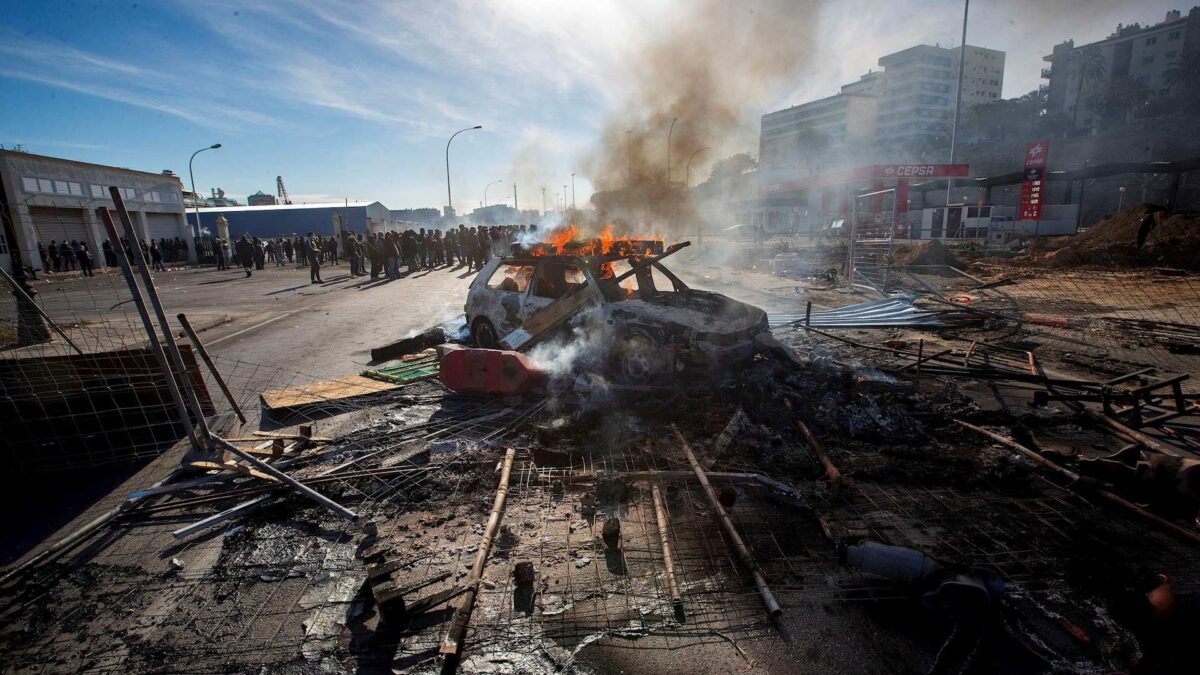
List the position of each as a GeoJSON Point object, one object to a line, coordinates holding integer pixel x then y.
{"type": "Point", "coordinates": [382, 253]}
{"type": "Point", "coordinates": [75, 255]}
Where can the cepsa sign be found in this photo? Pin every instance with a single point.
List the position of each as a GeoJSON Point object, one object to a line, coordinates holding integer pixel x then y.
{"type": "Point", "coordinates": [920, 170]}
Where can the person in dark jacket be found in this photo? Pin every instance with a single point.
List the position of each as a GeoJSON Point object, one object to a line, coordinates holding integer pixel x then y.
{"type": "Point", "coordinates": [67, 256]}
{"type": "Point", "coordinates": [314, 261]}
{"type": "Point", "coordinates": [244, 251]}
{"type": "Point", "coordinates": [156, 256]}
{"type": "Point", "coordinates": [55, 258]}
{"type": "Point", "coordinates": [85, 260]}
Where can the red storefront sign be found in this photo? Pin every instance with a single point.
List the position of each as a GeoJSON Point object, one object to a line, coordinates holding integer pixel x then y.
{"type": "Point", "coordinates": [1036, 154]}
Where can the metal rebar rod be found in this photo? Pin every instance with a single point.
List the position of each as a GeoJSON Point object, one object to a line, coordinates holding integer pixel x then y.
{"type": "Point", "coordinates": [152, 294]}
{"type": "Point", "coordinates": [1083, 484]}
{"type": "Point", "coordinates": [739, 546]}
{"type": "Point", "coordinates": [212, 367]}
{"type": "Point", "coordinates": [156, 347]}
{"type": "Point", "coordinates": [660, 515]}
{"type": "Point", "coordinates": [295, 484]}
{"type": "Point", "coordinates": [831, 471]}
{"type": "Point", "coordinates": [25, 296]}
{"type": "Point", "coordinates": [452, 644]}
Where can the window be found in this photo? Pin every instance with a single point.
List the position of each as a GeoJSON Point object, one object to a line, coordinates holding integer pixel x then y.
{"type": "Point", "coordinates": [985, 212]}
{"type": "Point", "coordinates": [45, 185]}
{"type": "Point", "coordinates": [29, 184]}
{"type": "Point", "coordinates": [1173, 35]}
{"type": "Point", "coordinates": [1151, 41]}
{"type": "Point", "coordinates": [555, 280]}
{"type": "Point", "coordinates": [98, 192]}
{"type": "Point", "coordinates": [973, 212]}
{"type": "Point", "coordinates": [76, 189]}
{"type": "Point", "coordinates": [511, 278]}
{"type": "Point", "coordinates": [129, 193]}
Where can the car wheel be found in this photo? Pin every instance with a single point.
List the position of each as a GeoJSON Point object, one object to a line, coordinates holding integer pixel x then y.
{"type": "Point", "coordinates": [484, 334]}
{"type": "Point", "coordinates": [639, 360]}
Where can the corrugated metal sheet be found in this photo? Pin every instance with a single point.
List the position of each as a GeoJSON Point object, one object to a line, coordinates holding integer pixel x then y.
{"type": "Point", "coordinates": [883, 313]}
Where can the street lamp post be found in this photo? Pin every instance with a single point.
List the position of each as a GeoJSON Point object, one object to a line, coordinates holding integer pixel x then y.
{"type": "Point", "coordinates": [572, 191]}
{"type": "Point", "coordinates": [1120, 198]}
{"type": "Point", "coordinates": [195, 195]}
{"type": "Point", "coordinates": [688, 174]}
{"type": "Point", "coordinates": [962, 67]}
{"type": "Point", "coordinates": [669, 134]}
{"type": "Point", "coordinates": [543, 201]}
{"type": "Point", "coordinates": [485, 189]}
{"type": "Point", "coordinates": [449, 201]}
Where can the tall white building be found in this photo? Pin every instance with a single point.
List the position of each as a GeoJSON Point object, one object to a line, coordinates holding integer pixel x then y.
{"type": "Point", "coordinates": [909, 103]}
{"type": "Point", "coordinates": [1140, 53]}
{"type": "Point", "coordinates": [919, 91]}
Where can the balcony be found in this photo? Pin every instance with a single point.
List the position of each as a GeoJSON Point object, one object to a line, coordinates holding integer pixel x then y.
{"type": "Point", "coordinates": [1045, 73]}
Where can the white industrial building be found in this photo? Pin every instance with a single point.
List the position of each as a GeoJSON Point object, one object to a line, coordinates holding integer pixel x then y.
{"type": "Point", "coordinates": [53, 199]}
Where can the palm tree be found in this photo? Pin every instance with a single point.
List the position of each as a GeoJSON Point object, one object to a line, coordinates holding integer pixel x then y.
{"type": "Point", "coordinates": [1086, 65]}
{"type": "Point", "coordinates": [1185, 73]}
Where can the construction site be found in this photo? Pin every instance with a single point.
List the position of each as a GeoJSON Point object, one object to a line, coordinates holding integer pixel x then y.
{"type": "Point", "coordinates": [723, 457]}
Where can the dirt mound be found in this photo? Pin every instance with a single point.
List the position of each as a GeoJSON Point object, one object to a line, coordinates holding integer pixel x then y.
{"type": "Point", "coordinates": [932, 252]}
{"type": "Point", "coordinates": [1142, 236]}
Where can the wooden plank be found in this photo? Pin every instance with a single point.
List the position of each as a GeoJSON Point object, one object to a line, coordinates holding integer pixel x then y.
{"type": "Point", "coordinates": [340, 389]}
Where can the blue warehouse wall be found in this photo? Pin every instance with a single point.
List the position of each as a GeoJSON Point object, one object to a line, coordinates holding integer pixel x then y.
{"type": "Point", "coordinates": [278, 222]}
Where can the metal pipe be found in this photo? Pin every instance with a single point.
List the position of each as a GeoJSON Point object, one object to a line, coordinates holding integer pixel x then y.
{"type": "Point", "coordinates": [1078, 483]}
{"type": "Point", "coordinates": [831, 471]}
{"type": "Point", "coordinates": [295, 484]}
{"type": "Point", "coordinates": [172, 348]}
{"type": "Point", "coordinates": [760, 584]}
{"type": "Point", "coordinates": [212, 367]}
{"type": "Point", "coordinates": [155, 345]}
{"type": "Point", "coordinates": [660, 515]}
{"type": "Point", "coordinates": [22, 296]}
{"type": "Point", "coordinates": [452, 644]}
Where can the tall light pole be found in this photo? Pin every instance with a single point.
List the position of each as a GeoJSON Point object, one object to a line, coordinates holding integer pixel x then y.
{"type": "Point", "coordinates": [962, 69]}
{"type": "Point", "coordinates": [572, 192]}
{"type": "Point", "coordinates": [688, 174]}
{"type": "Point", "coordinates": [628, 159]}
{"type": "Point", "coordinates": [543, 201]}
{"type": "Point", "coordinates": [449, 202]}
{"type": "Point", "coordinates": [515, 206]}
{"type": "Point", "coordinates": [669, 133]}
{"type": "Point", "coordinates": [485, 189]}
{"type": "Point", "coordinates": [195, 196]}
{"type": "Point", "coordinates": [1121, 197]}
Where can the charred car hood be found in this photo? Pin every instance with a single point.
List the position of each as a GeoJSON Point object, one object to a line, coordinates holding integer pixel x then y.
{"type": "Point", "coordinates": [700, 311]}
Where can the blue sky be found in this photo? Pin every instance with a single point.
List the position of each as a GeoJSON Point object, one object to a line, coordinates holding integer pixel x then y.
{"type": "Point", "coordinates": [356, 99]}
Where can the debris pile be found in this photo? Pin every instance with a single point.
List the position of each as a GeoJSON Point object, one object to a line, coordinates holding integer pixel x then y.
{"type": "Point", "coordinates": [1142, 236]}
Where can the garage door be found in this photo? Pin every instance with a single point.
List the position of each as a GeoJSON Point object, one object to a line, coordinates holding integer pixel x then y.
{"type": "Point", "coordinates": [163, 225]}
{"type": "Point", "coordinates": [58, 225]}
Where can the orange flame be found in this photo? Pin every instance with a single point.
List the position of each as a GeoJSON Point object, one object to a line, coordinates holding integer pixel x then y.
{"type": "Point", "coordinates": [561, 241]}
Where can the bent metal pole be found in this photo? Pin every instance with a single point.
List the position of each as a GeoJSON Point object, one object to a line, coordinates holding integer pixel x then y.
{"type": "Point", "coordinates": [452, 644]}
{"type": "Point", "coordinates": [212, 367]}
{"type": "Point", "coordinates": [660, 516]}
{"type": "Point", "coordinates": [152, 293]}
{"type": "Point", "coordinates": [760, 584]}
{"type": "Point", "coordinates": [156, 347]}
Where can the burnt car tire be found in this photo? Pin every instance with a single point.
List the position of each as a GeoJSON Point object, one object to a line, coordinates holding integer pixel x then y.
{"type": "Point", "coordinates": [639, 360]}
{"type": "Point", "coordinates": [484, 334]}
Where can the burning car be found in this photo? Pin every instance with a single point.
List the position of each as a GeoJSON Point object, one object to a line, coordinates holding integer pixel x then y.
{"type": "Point", "coordinates": [658, 324]}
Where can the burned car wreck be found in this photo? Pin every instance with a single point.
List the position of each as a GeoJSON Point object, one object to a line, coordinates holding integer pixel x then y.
{"type": "Point", "coordinates": [655, 325]}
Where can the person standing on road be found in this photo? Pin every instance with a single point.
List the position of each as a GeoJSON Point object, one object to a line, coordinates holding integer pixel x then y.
{"type": "Point", "coordinates": [287, 249]}
{"type": "Point", "coordinates": [110, 260]}
{"type": "Point", "coordinates": [85, 260]}
{"type": "Point", "coordinates": [257, 253]}
{"type": "Point", "coordinates": [65, 256]}
{"type": "Point", "coordinates": [245, 253]}
{"type": "Point", "coordinates": [45, 257]}
{"type": "Point", "coordinates": [156, 256]}
{"type": "Point", "coordinates": [314, 262]}
{"type": "Point", "coordinates": [219, 253]}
